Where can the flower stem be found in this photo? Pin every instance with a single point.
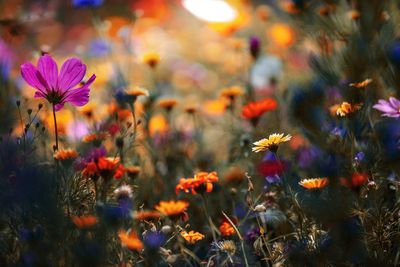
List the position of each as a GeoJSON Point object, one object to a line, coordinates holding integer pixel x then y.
{"type": "Point", "coordinates": [55, 128]}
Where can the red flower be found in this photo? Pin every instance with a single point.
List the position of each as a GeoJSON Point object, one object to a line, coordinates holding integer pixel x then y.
{"type": "Point", "coordinates": [254, 110]}
{"type": "Point", "coordinates": [357, 180]}
{"type": "Point", "coordinates": [270, 167]}
{"type": "Point", "coordinates": [104, 167]}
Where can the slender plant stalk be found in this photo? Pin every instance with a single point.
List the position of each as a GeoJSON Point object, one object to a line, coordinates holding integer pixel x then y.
{"type": "Point", "coordinates": [55, 127]}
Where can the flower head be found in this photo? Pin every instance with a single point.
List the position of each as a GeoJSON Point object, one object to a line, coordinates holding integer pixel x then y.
{"type": "Point", "coordinates": [95, 137]}
{"type": "Point", "coordinates": [202, 181]}
{"type": "Point", "coordinates": [132, 171]}
{"type": "Point", "coordinates": [130, 240]}
{"type": "Point", "coordinates": [362, 84]}
{"type": "Point", "coordinates": [254, 110]}
{"type": "Point", "coordinates": [314, 183]}
{"type": "Point", "coordinates": [146, 215]}
{"type": "Point", "coordinates": [104, 167]}
{"type": "Point", "coordinates": [271, 143]}
{"type": "Point", "coordinates": [58, 88]}
{"type": "Point", "coordinates": [172, 208]}
{"type": "Point", "coordinates": [356, 180]}
{"type": "Point", "coordinates": [231, 92]}
{"type": "Point", "coordinates": [192, 236]}
{"type": "Point", "coordinates": [84, 221]}
{"type": "Point", "coordinates": [124, 191]}
{"type": "Point", "coordinates": [151, 58]}
{"type": "Point", "coordinates": [226, 246]}
{"type": "Point", "coordinates": [87, 3]}
{"type": "Point", "coordinates": [167, 103]}
{"type": "Point", "coordinates": [226, 229]}
{"type": "Point", "coordinates": [389, 108]}
{"type": "Point", "coordinates": [65, 154]}
{"type": "Point", "coordinates": [344, 109]}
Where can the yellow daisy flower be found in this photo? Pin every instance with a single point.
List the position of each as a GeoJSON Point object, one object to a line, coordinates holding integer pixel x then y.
{"type": "Point", "coordinates": [271, 143]}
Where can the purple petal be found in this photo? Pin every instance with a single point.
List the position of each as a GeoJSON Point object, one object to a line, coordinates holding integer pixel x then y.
{"type": "Point", "coordinates": [57, 107]}
{"type": "Point", "coordinates": [384, 107]}
{"type": "Point", "coordinates": [29, 73]}
{"type": "Point", "coordinates": [49, 71]}
{"type": "Point", "coordinates": [71, 73]}
{"type": "Point", "coordinates": [80, 96]}
{"type": "Point", "coordinates": [394, 102]}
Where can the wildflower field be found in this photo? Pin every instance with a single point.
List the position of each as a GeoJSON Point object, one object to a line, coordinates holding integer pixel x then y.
{"type": "Point", "coordinates": [199, 133]}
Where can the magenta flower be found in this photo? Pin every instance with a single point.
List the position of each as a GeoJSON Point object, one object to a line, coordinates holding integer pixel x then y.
{"type": "Point", "coordinates": [58, 88]}
{"type": "Point", "coordinates": [389, 108]}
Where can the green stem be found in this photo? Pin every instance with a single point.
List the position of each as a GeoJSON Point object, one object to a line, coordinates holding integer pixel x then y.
{"type": "Point", "coordinates": [55, 127]}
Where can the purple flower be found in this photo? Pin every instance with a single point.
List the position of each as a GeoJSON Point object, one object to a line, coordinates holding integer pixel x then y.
{"type": "Point", "coordinates": [254, 46]}
{"type": "Point", "coordinates": [389, 108]}
{"type": "Point", "coordinates": [56, 87]}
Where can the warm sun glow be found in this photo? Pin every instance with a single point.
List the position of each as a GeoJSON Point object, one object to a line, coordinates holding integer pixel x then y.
{"type": "Point", "coordinates": [211, 10]}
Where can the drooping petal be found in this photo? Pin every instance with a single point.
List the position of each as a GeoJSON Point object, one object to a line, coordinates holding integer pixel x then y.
{"type": "Point", "coordinates": [29, 73]}
{"type": "Point", "coordinates": [71, 73]}
{"type": "Point", "coordinates": [57, 107]}
{"type": "Point", "coordinates": [80, 96]}
{"type": "Point", "coordinates": [49, 71]}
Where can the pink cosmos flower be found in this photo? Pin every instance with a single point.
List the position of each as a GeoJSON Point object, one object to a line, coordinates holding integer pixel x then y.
{"type": "Point", "coordinates": [58, 88]}
{"type": "Point", "coordinates": [389, 108]}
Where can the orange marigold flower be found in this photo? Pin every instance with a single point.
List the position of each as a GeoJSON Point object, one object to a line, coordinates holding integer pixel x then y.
{"type": "Point", "coordinates": [130, 240]}
{"type": "Point", "coordinates": [362, 84]}
{"type": "Point", "coordinates": [65, 154]}
{"type": "Point", "coordinates": [192, 236]}
{"type": "Point", "coordinates": [172, 208]}
{"type": "Point", "coordinates": [167, 103]}
{"type": "Point", "coordinates": [254, 110]}
{"type": "Point", "coordinates": [231, 92]}
{"type": "Point", "coordinates": [314, 183]}
{"type": "Point", "coordinates": [226, 229]}
{"type": "Point", "coordinates": [84, 221]}
{"type": "Point", "coordinates": [344, 109]}
{"type": "Point", "coordinates": [95, 137]}
{"type": "Point", "coordinates": [151, 59]}
{"type": "Point", "coordinates": [201, 182]}
{"type": "Point", "coordinates": [146, 215]}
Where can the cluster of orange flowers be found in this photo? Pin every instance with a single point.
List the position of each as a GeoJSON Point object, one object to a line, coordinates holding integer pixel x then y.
{"type": "Point", "coordinates": [104, 167]}
{"type": "Point", "coordinates": [202, 182]}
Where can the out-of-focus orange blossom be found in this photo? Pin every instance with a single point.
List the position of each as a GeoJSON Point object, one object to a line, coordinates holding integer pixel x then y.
{"type": "Point", "coordinates": [242, 19]}
{"type": "Point", "coordinates": [281, 35]}
{"type": "Point", "coordinates": [158, 124]}
{"type": "Point", "coordinates": [215, 107]}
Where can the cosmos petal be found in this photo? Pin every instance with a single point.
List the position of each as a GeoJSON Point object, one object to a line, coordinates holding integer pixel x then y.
{"type": "Point", "coordinates": [47, 67]}
{"type": "Point", "coordinates": [71, 73]}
